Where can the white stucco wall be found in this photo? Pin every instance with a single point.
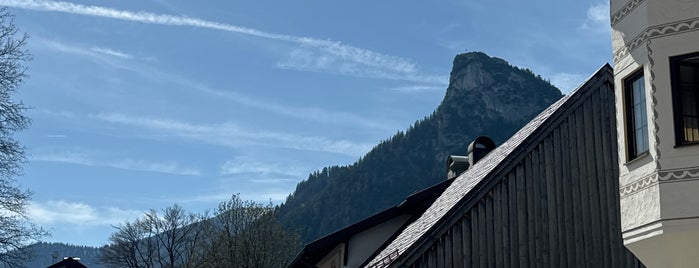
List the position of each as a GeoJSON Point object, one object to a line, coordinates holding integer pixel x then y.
{"type": "Point", "coordinates": [659, 192]}
{"type": "Point", "coordinates": [362, 245]}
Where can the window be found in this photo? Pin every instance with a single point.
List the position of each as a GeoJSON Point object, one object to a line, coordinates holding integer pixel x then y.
{"type": "Point", "coordinates": [685, 91]}
{"type": "Point", "coordinates": [636, 117]}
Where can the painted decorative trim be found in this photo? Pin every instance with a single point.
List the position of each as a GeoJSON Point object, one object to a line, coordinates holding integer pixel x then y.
{"type": "Point", "coordinates": [638, 185]}
{"type": "Point", "coordinates": [675, 175]}
{"type": "Point", "coordinates": [662, 30]}
{"type": "Point", "coordinates": [654, 106]}
{"type": "Point", "coordinates": [629, 47]}
{"type": "Point", "coordinates": [625, 10]}
{"type": "Point", "coordinates": [665, 176]}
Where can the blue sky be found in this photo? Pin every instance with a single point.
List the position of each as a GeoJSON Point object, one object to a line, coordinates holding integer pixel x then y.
{"type": "Point", "coordinates": [138, 105]}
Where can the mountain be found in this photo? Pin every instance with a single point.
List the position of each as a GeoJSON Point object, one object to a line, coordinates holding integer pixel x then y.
{"type": "Point", "coordinates": [486, 96]}
{"type": "Point", "coordinates": [43, 254]}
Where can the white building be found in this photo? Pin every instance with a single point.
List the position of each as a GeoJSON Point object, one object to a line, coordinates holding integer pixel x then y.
{"type": "Point", "coordinates": [656, 77]}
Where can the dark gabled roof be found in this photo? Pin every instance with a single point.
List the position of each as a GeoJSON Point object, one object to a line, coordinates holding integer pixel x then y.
{"type": "Point", "coordinates": [68, 263]}
{"type": "Point", "coordinates": [420, 232]}
{"type": "Point", "coordinates": [414, 205]}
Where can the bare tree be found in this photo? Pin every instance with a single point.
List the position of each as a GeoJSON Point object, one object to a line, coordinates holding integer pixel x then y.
{"type": "Point", "coordinates": [178, 234]}
{"type": "Point", "coordinates": [158, 240]}
{"type": "Point", "coordinates": [240, 234]}
{"type": "Point", "coordinates": [247, 234]}
{"type": "Point", "coordinates": [128, 247]}
{"type": "Point", "coordinates": [16, 231]}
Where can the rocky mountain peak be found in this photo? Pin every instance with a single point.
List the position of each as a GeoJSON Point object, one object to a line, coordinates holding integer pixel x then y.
{"type": "Point", "coordinates": [486, 96]}
{"type": "Point", "coordinates": [492, 88]}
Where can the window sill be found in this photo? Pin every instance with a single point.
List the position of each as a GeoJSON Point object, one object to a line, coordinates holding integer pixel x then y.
{"type": "Point", "coordinates": [638, 158]}
{"type": "Point", "coordinates": [687, 144]}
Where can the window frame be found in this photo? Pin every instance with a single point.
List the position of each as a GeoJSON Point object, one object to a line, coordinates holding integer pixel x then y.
{"type": "Point", "coordinates": [630, 112]}
{"type": "Point", "coordinates": [677, 104]}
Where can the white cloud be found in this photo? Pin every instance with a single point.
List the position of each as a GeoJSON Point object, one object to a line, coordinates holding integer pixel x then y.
{"type": "Point", "coordinates": [304, 113]}
{"type": "Point", "coordinates": [334, 59]}
{"type": "Point", "coordinates": [88, 159]}
{"type": "Point", "coordinates": [207, 198]}
{"type": "Point", "coordinates": [109, 56]}
{"type": "Point", "coordinates": [333, 56]}
{"type": "Point", "coordinates": [597, 19]}
{"type": "Point", "coordinates": [52, 113]}
{"type": "Point", "coordinates": [567, 82]}
{"type": "Point", "coordinates": [55, 136]}
{"type": "Point", "coordinates": [264, 196]}
{"type": "Point", "coordinates": [112, 52]}
{"type": "Point", "coordinates": [78, 213]}
{"type": "Point", "coordinates": [273, 181]}
{"type": "Point", "coordinates": [243, 165]}
{"type": "Point", "coordinates": [61, 47]}
{"type": "Point", "coordinates": [418, 88]}
{"type": "Point", "coordinates": [599, 12]}
{"type": "Point", "coordinates": [230, 134]}
{"type": "Point", "coordinates": [273, 195]}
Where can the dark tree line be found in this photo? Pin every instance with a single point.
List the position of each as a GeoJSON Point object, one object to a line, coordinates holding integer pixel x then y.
{"type": "Point", "coordinates": [239, 234]}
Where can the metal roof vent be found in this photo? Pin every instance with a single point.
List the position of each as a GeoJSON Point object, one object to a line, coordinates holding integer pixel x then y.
{"type": "Point", "coordinates": [456, 164]}
{"type": "Point", "coordinates": [479, 148]}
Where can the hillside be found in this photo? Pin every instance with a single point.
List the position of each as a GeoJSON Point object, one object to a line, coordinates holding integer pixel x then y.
{"type": "Point", "coordinates": [485, 96]}
{"type": "Point", "coordinates": [43, 254]}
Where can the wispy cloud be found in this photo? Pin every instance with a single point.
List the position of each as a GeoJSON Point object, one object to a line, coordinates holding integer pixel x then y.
{"type": "Point", "coordinates": [61, 47]}
{"type": "Point", "coordinates": [338, 59]}
{"type": "Point", "coordinates": [418, 88]}
{"type": "Point", "coordinates": [566, 82]}
{"type": "Point", "coordinates": [304, 113]}
{"type": "Point", "coordinates": [112, 52]}
{"type": "Point", "coordinates": [243, 165]}
{"type": "Point", "coordinates": [332, 56]}
{"type": "Point", "coordinates": [597, 19]}
{"type": "Point", "coordinates": [273, 181]}
{"type": "Point", "coordinates": [230, 134]}
{"type": "Point", "coordinates": [65, 212]}
{"type": "Point", "coordinates": [51, 113]}
{"type": "Point", "coordinates": [275, 195]}
{"type": "Point", "coordinates": [102, 54]}
{"type": "Point", "coordinates": [88, 159]}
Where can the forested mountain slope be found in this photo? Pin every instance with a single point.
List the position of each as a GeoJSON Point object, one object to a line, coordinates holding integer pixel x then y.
{"type": "Point", "coordinates": [485, 96]}
{"type": "Point", "coordinates": [45, 254]}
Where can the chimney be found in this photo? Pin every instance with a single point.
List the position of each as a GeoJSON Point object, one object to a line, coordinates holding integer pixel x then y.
{"type": "Point", "coordinates": [456, 164]}
{"type": "Point", "coordinates": [479, 148]}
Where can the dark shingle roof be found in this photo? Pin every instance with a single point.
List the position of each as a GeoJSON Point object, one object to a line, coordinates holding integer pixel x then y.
{"type": "Point", "coordinates": [68, 263]}
{"type": "Point", "coordinates": [418, 231]}
{"type": "Point", "coordinates": [412, 205]}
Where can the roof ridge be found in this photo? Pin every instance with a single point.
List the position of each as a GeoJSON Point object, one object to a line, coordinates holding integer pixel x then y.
{"type": "Point", "coordinates": [467, 181]}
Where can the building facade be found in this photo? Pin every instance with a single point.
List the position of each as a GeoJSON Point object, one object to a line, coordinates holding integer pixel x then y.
{"type": "Point", "coordinates": [656, 77]}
